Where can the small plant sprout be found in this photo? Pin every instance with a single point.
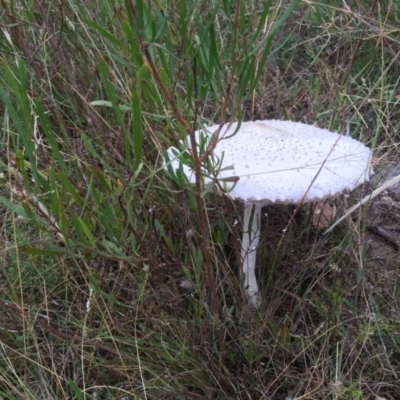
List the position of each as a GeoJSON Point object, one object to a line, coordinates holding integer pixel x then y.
{"type": "Point", "coordinates": [280, 162]}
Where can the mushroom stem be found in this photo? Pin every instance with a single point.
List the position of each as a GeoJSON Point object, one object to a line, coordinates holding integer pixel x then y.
{"type": "Point", "coordinates": [251, 237]}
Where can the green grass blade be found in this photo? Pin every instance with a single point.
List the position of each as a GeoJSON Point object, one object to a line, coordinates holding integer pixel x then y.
{"type": "Point", "coordinates": [14, 207]}
{"type": "Point", "coordinates": [137, 129]}
{"type": "Point", "coordinates": [277, 25]}
{"type": "Point", "coordinates": [50, 135]}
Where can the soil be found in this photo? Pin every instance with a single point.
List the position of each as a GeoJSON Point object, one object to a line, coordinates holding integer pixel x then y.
{"type": "Point", "coordinates": [382, 236]}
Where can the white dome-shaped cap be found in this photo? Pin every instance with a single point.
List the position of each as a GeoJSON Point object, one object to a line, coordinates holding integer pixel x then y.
{"type": "Point", "coordinates": [284, 161]}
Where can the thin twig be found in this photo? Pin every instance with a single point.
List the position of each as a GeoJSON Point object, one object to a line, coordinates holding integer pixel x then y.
{"type": "Point", "coordinates": [367, 198]}
{"type": "Point", "coordinates": [197, 165]}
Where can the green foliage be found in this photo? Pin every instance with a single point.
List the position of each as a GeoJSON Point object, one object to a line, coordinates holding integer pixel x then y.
{"type": "Point", "coordinates": [119, 277]}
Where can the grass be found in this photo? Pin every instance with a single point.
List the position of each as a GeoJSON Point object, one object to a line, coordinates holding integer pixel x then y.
{"type": "Point", "coordinates": [120, 282]}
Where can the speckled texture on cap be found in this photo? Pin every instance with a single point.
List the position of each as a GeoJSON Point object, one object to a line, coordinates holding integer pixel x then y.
{"type": "Point", "coordinates": [277, 161]}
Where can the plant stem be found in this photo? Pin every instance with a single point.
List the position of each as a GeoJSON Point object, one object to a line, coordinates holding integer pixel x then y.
{"type": "Point", "coordinates": [197, 167]}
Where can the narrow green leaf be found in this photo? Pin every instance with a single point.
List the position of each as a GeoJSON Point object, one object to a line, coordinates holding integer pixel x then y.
{"type": "Point", "coordinates": [137, 129]}
{"type": "Point", "coordinates": [211, 19]}
{"type": "Point", "coordinates": [63, 221]}
{"type": "Point", "coordinates": [214, 58]}
{"type": "Point", "coordinates": [277, 25]}
{"type": "Point", "coordinates": [245, 77]}
{"type": "Point", "coordinates": [130, 29]}
{"type": "Point", "coordinates": [167, 238]}
{"type": "Point", "coordinates": [48, 131]}
{"type": "Point", "coordinates": [112, 96]}
{"type": "Point", "coordinates": [112, 248]}
{"type": "Point", "coordinates": [67, 186]}
{"type": "Point", "coordinates": [352, 306]}
{"type": "Point", "coordinates": [22, 92]}
{"type": "Point", "coordinates": [78, 392]}
{"type": "Point", "coordinates": [90, 147]}
{"type": "Point", "coordinates": [14, 207]}
{"type": "Point", "coordinates": [160, 26]}
{"type": "Point", "coordinates": [52, 193]}
{"type": "Point", "coordinates": [78, 229]}
{"type": "Point", "coordinates": [260, 66]}
{"type": "Point", "coordinates": [101, 178]}
{"type": "Point", "coordinates": [103, 32]}
{"type": "Point", "coordinates": [259, 356]}
{"type": "Point", "coordinates": [93, 278]}
{"type": "Point", "coordinates": [25, 136]}
{"type": "Point", "coordinates": [28, 211]}
{"type": "Point", "coordinates": [35, 251]}
{"type": "Point", "coordinates": [170, 169]}
{"type": "Point", "coordinates": [87, 231]}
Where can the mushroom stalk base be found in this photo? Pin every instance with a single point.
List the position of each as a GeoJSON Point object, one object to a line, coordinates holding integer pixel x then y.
{"type": "Point", "coordinates": [251, 237]}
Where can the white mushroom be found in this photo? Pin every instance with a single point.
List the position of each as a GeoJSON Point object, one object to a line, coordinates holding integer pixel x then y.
{"type": "Point", "coordinates": [281, 161]}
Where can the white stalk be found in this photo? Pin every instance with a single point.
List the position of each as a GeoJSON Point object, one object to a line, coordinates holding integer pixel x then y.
{"type": "Point", "coordinates": [251, 237]}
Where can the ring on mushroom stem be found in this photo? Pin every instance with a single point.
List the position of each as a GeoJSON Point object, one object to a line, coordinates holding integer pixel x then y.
{"type": "Point", "coordinates": [278, 162]}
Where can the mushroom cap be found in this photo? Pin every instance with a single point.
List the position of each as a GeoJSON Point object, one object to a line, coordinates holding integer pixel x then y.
{"type": "Point", "coordinates": [285, 161]}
